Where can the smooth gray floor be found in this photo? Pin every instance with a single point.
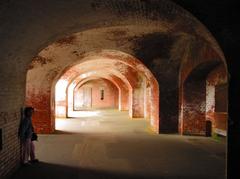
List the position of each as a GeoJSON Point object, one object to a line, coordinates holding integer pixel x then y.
{"type": "Point", "coordinates": [110, 145]}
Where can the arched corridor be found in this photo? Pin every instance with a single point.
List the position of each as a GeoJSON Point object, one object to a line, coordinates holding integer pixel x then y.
{"type": "Point", "coordinates": [132, 87]}
{"type": "Point", "coordinates": [119, 88]}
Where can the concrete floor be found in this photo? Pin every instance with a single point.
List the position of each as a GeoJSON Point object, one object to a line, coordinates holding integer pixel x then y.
{"type": "Point", "coordinates": [107, 144]}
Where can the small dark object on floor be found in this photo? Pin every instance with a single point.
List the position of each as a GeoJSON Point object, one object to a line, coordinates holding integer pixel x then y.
{"type": "Point", "coordinates": [34, 137]}
{"type": "Point", "coordinates": [26, 164]}
{"type": "Point", "coordinates": [34, 161]}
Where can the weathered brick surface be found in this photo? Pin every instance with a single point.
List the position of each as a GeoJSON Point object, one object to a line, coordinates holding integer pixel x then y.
{"type": "Point", "coordinates": [194, 103]}
{"type": "Point", "coordinates": [130, 75]}
{"type": "Point", "coordinates": [198, 97]}
{"type": "Point", "coordinates": [10, 153]}
{"type": "Point", "coordinates": [110, 95]}
{"type": "Point", "coordinates": [158, 31]}
{"type": "Point", "coordinates": [217, 111]}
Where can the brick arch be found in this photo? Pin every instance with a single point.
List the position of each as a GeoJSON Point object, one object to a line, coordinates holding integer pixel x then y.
{"type": "Point", "coordinates": [93, 100]}
{"type": "Point", "coordinates": [122, 89]}
{"type": "Point", "coordinates": [151, 109]}
{"type": "Point", "coordinates": [193, 118]}
{"type": "Point", "coordinates": [114, 73]}
{"type": "Point", "coordinates": [195, 67]}
{"type": "Point", "coordinates": [113, 85]}
{"type": "Point", "coordinates": [177, 22]}
{"type": "Point", "coordinates": [139, 79]}
{"type": "Point", "coordinates": [61, 106]}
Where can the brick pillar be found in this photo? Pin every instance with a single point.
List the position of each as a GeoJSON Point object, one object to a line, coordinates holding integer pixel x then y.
{"type": "Point", "coordinates": [154, 107]}
{"type": "Point", "coordinates": [138, 98]}
{"type": "Point", "coordinates": [123, 99]}
{"type": "Point", "coordinates": [40, 101]}
{"type": "Point", "coordinates": [194, 107]}
{"type": "Point", "coordinates": [147, 102]}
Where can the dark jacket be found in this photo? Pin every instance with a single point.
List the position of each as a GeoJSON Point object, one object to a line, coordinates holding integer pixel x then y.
{"type": "Point", "coordinates": [26, 128]}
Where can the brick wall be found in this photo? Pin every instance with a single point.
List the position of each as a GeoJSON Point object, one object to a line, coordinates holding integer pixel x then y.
{"type": "Point", "coordinates": [12, 93]}
{"type": "Point", "coordinates": [10, 153]}
{"type": "Point", "coordinates": [194, 103]}
{"type": "Point", "coordinates": [110, 95]}
{"type": "Point", "coordinates": [199, 99]}
{"type": "Point", "coordinates": [217, 112]}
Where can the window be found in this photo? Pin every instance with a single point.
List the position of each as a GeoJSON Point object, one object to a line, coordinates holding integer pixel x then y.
{"type": "Point", "coordinates": [1, 143]}
{"type": "Point", "coordinates": [102, 94]}
{"type": "Point", "coordinates": [221, 97]}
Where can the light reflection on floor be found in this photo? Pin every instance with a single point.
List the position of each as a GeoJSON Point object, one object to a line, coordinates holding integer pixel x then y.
{"type": "Point", "coordinates": [101, 121]}
{"type": "Point", "coordinates": [84, 114]}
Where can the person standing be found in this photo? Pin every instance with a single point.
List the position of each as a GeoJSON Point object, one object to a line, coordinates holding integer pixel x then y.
{"type": "Point", "coordinates": [26, 131]}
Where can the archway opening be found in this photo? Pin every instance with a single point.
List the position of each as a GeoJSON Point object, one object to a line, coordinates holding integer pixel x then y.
{"type": "Point", "coordinates": [178, 53]}
{"type": "Point", "coordinates": [100, 80]}
{"type": "Point", "coordinates": [203, 95]}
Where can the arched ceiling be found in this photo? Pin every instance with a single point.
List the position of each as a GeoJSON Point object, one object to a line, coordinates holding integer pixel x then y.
{"type": "Point", "coordinates": [154, 31]}
{"type": "Point", "coordinates": [54, 20]}
{"type": "Point", "coordinates": [120, 83]}
{"type": "Point", "coordinates": [164, 37]}
{"type": "Point", "coordinates": [86, 80]}
{"type": "Point", "coordinates": [130, 82]}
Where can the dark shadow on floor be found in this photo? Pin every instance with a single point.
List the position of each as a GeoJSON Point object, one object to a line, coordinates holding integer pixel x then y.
{"type": "Point", "coordinates": [62, 132]}
{"type": "Point", "coordinates": [43, 170]}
